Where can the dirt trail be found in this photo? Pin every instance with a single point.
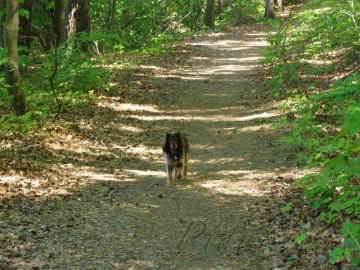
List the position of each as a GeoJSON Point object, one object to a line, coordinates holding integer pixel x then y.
{"type": "Point", "coordinates": [123, 215]}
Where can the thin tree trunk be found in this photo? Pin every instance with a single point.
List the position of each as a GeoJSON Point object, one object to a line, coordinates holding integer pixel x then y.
{"type": "Point", "coordinates": [84, 22]}
{"type": "Point", "coordinates": [57, 19]}
{"type": "Point", "coordinates": [219, 7]}
{"type": "Point", "coordinates": [279, 4]}
{"type": "Point", "coordinates": [209, 13]}
{"type": "Point", "coordinates": [269, 9]}
{"type": "Point", "coordinates": [69, 20]}
{"type": "Point", "coordinates": [24, 32]}
{"type": "Point", "coordinates": [12, 66]}
{"type": "Point", "coordinates": [110, 15]}
{"type": "Point", "coordinates": [2, 21]}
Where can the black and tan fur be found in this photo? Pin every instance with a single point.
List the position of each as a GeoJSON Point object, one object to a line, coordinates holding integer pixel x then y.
{"type": "Point", "coordinates": [176, 150]}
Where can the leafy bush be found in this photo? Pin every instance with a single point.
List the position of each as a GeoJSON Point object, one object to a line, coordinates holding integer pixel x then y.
{"type": "Point", "coordinates": [325, 120]}
{"type": "Point", "coordinates": [77, 77]}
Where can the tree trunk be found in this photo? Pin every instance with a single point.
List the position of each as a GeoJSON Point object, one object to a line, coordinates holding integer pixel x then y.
{"type": "Point", "coordinates": [269, 9]}
{"type": "Point", "coordinates": [219, 7]}
{"type": "Point", "coordinates": [12, 66]}
{"type": "Point", "coordinates": [209, 13]}
{"type": "Point", "coordinates": [110, 15]}
{"type": "Point", "coordinates": [84, 22]}
{"type": "Point", "coordinates": [69, 20]}
{"type": "Point", "coordinates": [279, 4]}
{"type": "Point", "coordinates": [24, 32]}
{"type": "Point", "coordinates": [57, 19]}
{"type": "Point", "coordinates": [2, 21]}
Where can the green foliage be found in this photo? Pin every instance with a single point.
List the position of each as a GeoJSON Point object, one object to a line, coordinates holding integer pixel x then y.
{"type": "Point", "coordinates": [24, 13]}
{"type": "Point", "coordinates": [78, 77]}
{"type": "Point", "coordinates": [313, 34]}
{"type": "Point", "coordinates": [326, 122]}
{"type": "Point", "coordinates": [301, 238]}
{"type": "Point", "coordinates": [133, 24]}
{"type": "Point", "coordinates": [286, 208]}
{"type": "Point", "coordinates": [337, 186]}
{"type": "Point", "coordinates": [140, 25]}
{"type": "Point", "coordinates": [242, 11]}
{"type": "Point", "coordinates": [351, 233]}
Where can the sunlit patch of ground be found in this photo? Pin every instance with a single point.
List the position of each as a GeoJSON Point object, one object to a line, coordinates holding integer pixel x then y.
{"type": "Point", "coordinates": [240, 182]}
{"type": "Point", "coordinates": [212, 118]}
{"type": "Point", "coordinates": [230, 188]}
{"type": "Point", "coordinates": [128, 107]}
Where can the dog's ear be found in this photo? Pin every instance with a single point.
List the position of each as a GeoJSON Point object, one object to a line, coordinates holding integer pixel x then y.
{"type": "Point", "coordinates": [165, 146]}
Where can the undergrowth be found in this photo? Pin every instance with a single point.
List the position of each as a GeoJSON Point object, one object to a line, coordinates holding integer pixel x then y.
{"type": "Point", "coordinates": [312, 59]}
{"type": "Point", "coordinates": [76, 79]}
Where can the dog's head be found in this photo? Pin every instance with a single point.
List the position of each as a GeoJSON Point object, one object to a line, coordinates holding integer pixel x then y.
{"type": "Point", "coordinates": [172, 146]}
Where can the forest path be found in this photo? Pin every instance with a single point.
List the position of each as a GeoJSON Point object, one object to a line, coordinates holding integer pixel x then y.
{"type": "Point", "coordinates": [216, 219]}
{"type": "Point", "coordinates": [122, 215]}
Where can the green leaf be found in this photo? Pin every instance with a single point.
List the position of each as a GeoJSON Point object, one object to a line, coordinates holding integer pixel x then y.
{"type": "Point", "coordinates": [4, 60]}
{"type": "Point", "coordinates": [315, 204]}
{"type": "Point", "coordinates": [356, 261]}
{"type": "Point", "coordinates": [286, 208]}
{"type": "Point", "coordinates": [24, 13]}
{"type": "Point", "coordinates": [352, 122]}
{"type": "Point", "coordinates": [350, 228]}
{"type": "Point", "coordinates": [350, 243]}
{"type": "Point", "coordinates": [301, 238]}
{"type": "Point", "coordinates": [338, 162]}
{"type": "Point", "coordinates": [337, 255]}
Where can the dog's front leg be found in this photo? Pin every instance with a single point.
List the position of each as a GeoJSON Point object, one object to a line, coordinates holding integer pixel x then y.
{"type": "Point", "coordinates": [169, 169]}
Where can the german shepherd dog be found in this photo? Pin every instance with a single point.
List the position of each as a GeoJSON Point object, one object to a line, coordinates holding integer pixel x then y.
{"type": "Point", "coordinates": [176, 150]}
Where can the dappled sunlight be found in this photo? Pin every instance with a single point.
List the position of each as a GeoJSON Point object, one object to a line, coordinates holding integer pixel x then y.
{"type": "Point", "coordinates": [252, 182]}
{"type": "Point", "coordinates": [218, 43]}
{"type": "Point", "coordinates": [9, 179]}
{"type": "Point", "coordinates": [202, 147]}
{"type": "Point", "coordinates": [216, 95]}
{"type": "Point", "coordinates": [212, 118]}
{"type": "Point", "coordinates": [318, 62]}
{"type": "Point", "coordinates": [128, 175]}
{"type": "Point", "coordinates": [153, 67]}
{"type": "Point", "coordinates": [223, 160]}
{"type": "Point", "coordinates": [237, 60]}
{"type": "Point", "coordinates": [237, 49]}
{"type": "Point", "coordinates": [234, 188]}
{"type": "Point", "coordinates": [232, 45]}
{"type": "Point", "coordinates": [255, 175]}
{"type": "Point", "coordinates": [226, 69]}
{"type": "Point", "coordinates": [116, 106]}
{"type": "Point", "coordinates": [139, 150]}
{"type": "Point", "coordinates": [186, 77]}
{"type": "Point", "coordinates": [200, 58]}
{"type": "Point", "coordinates": [96, 176]}
{"type": "Point", "coordinates": [247, 174]}
{"type": "Point", "coordinates": [129, 128]}
{"type": "Point", "coordinates": [264, 126]}
{"type": "Point", "coordinates": [142, 173]}
{"type": "Point", "coordinates": [208, 110]}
